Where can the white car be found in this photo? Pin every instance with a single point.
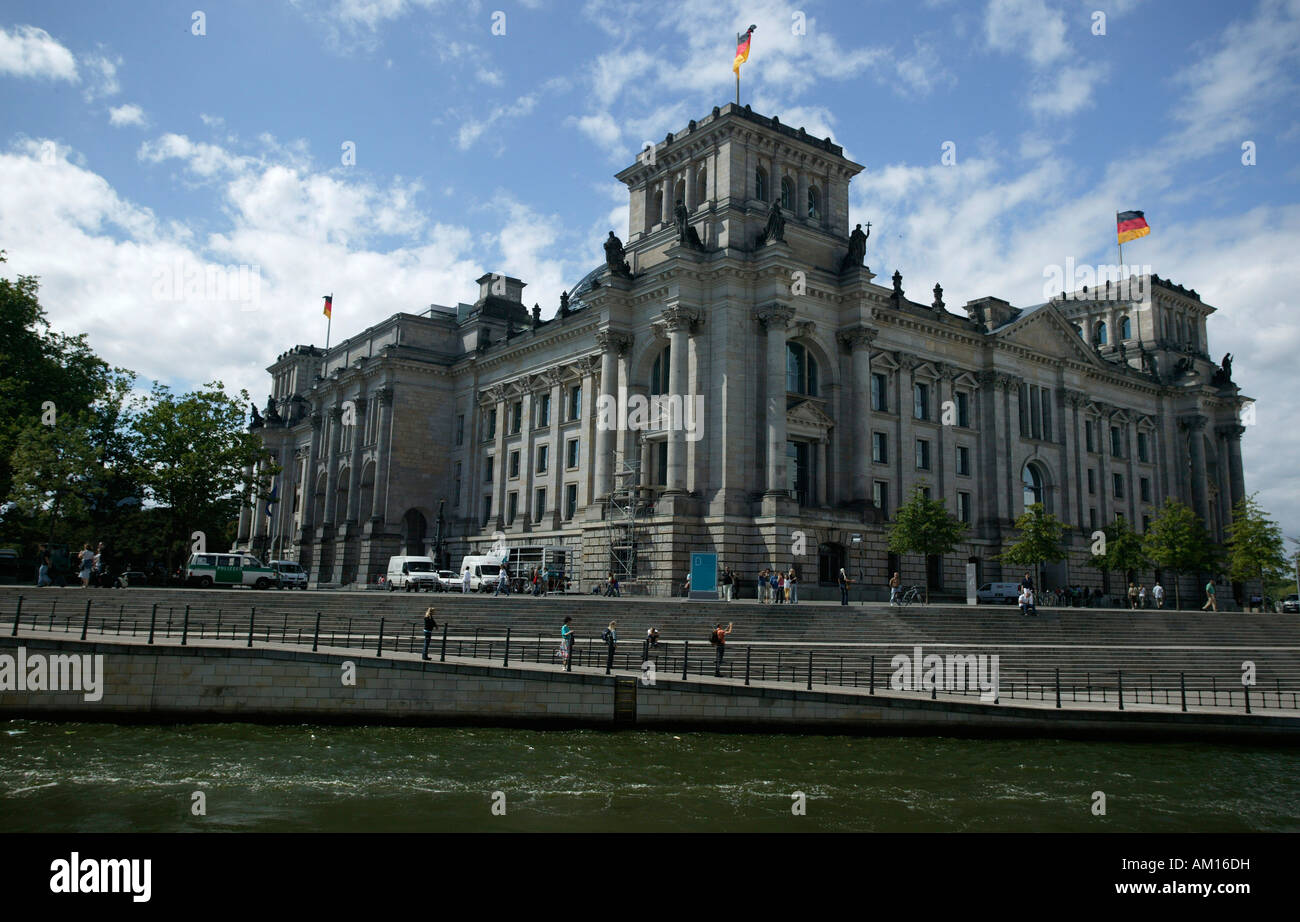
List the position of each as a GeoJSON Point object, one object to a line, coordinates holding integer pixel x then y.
{"type": "Point", "coordinates": [450, 581]}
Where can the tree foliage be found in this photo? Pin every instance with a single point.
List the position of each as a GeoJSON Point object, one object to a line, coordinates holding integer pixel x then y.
{"type": "Point", "coordinates": [1255, 546]}
{"type": "Point", "coordinates": [1123, 551]}
{"type": "Point", "coordinates": [1177, 540]}
{"type": "Point", "coordinates": [924, 526]}
{"type": "Point", "coordinates": [1039, 539]}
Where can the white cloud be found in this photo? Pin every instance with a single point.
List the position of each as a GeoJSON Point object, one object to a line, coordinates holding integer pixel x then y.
{"type": "Point", "coordinates": [1069, 89]}
{"type": "Point", "coordinates": [102, 76]}
{"type": "Point", "coordinates": [129, 114]}
{"type": "Point", "coordinates": [602, 129]}
{"type": "Point", "coordinates": [473, 129]}
{"type": "Point", "coordinates": [1026, 27]}
{"type": "Point", "coordinates": [202, 159]}
{"type": "Point", "coordinates": [31, 52]}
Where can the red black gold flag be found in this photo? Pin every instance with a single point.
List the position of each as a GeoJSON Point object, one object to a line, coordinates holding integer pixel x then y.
{"type": "Point", "coordinates": [1130, 225]}
{"type": "Point", "coordinates": [329, 306]}
{"type": "Point", "coordinates": [742, 50]}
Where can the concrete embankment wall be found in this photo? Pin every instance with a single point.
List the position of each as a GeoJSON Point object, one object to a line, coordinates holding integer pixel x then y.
{"type": "Point", "coordinates": [175, 684]}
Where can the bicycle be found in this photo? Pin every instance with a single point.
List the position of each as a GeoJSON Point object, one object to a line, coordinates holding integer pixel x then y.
{"type": "Point", "coordinates": [912, 594]}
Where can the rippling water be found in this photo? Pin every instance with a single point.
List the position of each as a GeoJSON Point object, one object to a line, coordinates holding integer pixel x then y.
{"type": "Point", "coordinates": [108, 778]}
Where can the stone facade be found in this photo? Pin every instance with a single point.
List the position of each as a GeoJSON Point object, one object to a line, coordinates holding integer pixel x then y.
{"type": "Point", "coordinates": [804, 401]}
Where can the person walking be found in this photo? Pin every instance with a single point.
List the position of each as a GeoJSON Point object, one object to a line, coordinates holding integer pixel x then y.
{"type": "Point", "coordinates": [895, 584]}
{"type": "Point", "coordinates": [1158, 593]}
{"type": "Point", "coordinates": [762, 585]}
{"type": "Point", "coordinates": [792, 586]}
{"type": "Point", "coordinates": [43, 571]}
{"type": "Point", "coordinates": [1210, 600]}
{"type": "Point", "coordinates": [87, 558]}
{"type": "Point", "coordinates": [777, 580]}
{"type": "Point", "coordinates": [719, 640]}
{"type": "Point", "coordinates": [611, 586]}
{"type": "Point", "coordinates": [1142, 596]}
{"type": "Point", "coordinates": [430, 625]}
{"type": "Point", "coordinates": [565, 653]}
{"type": "Point", "coordinates": [728, 584]}
{"type": "Point", "coordinates": [503, 583]}
{"type": "Point", "coordinates": [465, 581]}
{"type": "Point", "coordinates": [610, 636]}
{"type": "Point", "coordinates": [844, 587]}
{"type": "Point", "coordinates": [1132, 596]}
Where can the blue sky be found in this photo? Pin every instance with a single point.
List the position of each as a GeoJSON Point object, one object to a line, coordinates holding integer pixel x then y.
{"type": "Point", "coordinates": [130, 145]}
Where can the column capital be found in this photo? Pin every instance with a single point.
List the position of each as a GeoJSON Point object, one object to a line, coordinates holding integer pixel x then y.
{"type": "Point", "coordinates": [1008, 382]}
{"type": "Point", "coordinates": [860, 337]}
{"type": "Point", "coordinates": [775, 316]}
{"type": "Point", "coordinates": [612, 340]}
{"type": "Point", "coordinates": [906, 360]}
{"type": "Point", "coordinates": [676, 318]}
{"type": "Point", "coordinates": [1233, 431]}
{"type": "Point", "coordinates": [1075, 398]}
{"type": "Point", "coordinates": [1192, 423]}
{"type": "Point", "coordinates": [317, 419]}
{"type": "Point", "coordinates": [385, 396]}
{"type": "Point", "coordinates": [336, 413]}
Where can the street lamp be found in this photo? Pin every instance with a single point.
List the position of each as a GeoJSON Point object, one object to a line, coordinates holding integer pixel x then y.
{"type": "Point", "coordinates": [856, 539]}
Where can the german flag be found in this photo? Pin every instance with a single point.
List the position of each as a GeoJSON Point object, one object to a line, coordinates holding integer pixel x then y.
{"type": "Point", "coordinates": [1130, 225]}
{"type": "Point", "coordinates": [742, 49]}
{"type": "Point", "coordinates": [329, 306]}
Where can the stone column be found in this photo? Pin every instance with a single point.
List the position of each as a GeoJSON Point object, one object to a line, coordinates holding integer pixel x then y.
{"type": "Point", "coordinates": [587, 436]}
{"type": "Point", "coordinates": [1074, 455]}
{"type": "Point", "coordinates": [821, 472]}
{"type": "Point", "coordinates": [689, 189]}
{"type": "Point", "coordinates": [555, 489]}
{"type": "Point", "coordinates": [309, 477]}
{"type": "Point", "coordinates": [611, 344]}
{"type": "Point", "coordinates": [354, 479]}
{"type": "Point", "coordinates": [258, 530]}
{"type": "Point", "coordinates": [859, 342]}
{"type": "Point", "coordinates": [245, 534]}
{"type": "Point", "coordinates": [776, 318]}
{"type": "Point", "coordinates": [678, 320]}
{"type": "Point", "coordinates": [907, 472]}
{"type": "Point", "coordinates": [1194, 425]}
{"type": "Point", "coordinates": [332, 465]}
{"type": "Point", "coordinates": [666, 209]}
{"type": "Point", "coordinates": [1011, 386]}
{"type": "Point", "coordinates": [943, 389]}
{"type": "Point", "coordinates": [384, 407]}
{"type": "Point", "coordinates": [499, 464]}
{"type": "Point", "coordinates": [1236, 478]}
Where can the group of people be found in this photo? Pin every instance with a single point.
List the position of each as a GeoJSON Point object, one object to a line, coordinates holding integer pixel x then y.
{"type": "Point", "coordinates": [91, 567]}
{"type": "Point", "coordinates": [776, 586]}
{"type": "Point", "coordinates": [1137, 596]}
{"type": "Point", "coordinates": [564, 653]}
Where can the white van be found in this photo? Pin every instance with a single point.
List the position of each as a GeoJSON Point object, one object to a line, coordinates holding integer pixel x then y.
{"type": "Point", "coordinates": [998, 593]}
{"type": "Point", "coordinates": [412, 574]}
{"type": "Point", "coordinates": [483, 571]}
{"type": "Point", "coordinates": [289, 574]}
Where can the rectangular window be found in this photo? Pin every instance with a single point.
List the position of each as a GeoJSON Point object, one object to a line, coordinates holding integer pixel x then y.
{"type": "Point", "coordinates": [512, 508]}
{"type": "Point", "coordinates": [539, 505]}
{"type": "Point", "coordinates": [1144, 488]}
{"type": "Point", "coordinates": [487, 510]}
{"type": "Point", "coordinates": [455, 500]}
{"type": "Point", "coordinates": [963, 460]}
{"type": "Point", "coordinates": [963, 507]}
{"type": "Point", "coordinates": [925, 491]}
{"type": "Point", "coordinates": [1087, 434]}
{"type": "Point", "coordinates": [1142, 447]}
{"type": "Point", "coordinates": [543, 458]}
{"type": "Point", "coordinates": [880, 496]}
{"type": "Point", "coordinates": [880, 448]}
{"type": "Point", "coordinates": [543, 414]}
{"type": "Point", "coordinates": [1047, 414]}
{"type": "Point", "coordinates": [879, 392]}
{"type": "Point", "coordinates": [963, 409]}
{"type": "Point", "coordinates": [1035, 412]}
{"type": "Point", "coordinates": [575, 402]}
{"type": "Point", "coordinates": [1116, 445]}
{"type": "Point", "coordinates": [1092, 519]}
{"type": "Point", "coordinates": [570, 501]}
{"type": "Point", "coordinates": [1146, 524]}
{"type": "Point", "coordinates": [490, 426]}
{"type": "Point", "coordinates": [488, 468]}
{"type": "Point", "coordinates": [921, 401]}
{"type": "Point", "coordinates": [1118, 480]}
{"type": "Point", "coordinates": [571, 453]}
{"type": "Point", "coordinates": [514, 464]}
{"type": "Point", "coordinates": [1022, 409]}
{"type": "Point", "coordinates": [516, 417]}
{"type": "Point", "coordinates": [923, 454]}
{"type": "Point", "coordinates": [460, 429]}
{"type": "Point", "coordinates": [1092, 480]}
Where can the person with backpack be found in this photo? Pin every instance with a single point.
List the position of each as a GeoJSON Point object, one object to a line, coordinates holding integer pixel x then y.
{"type": "Point", "coordinates": [430, 625]}
{"type": "Point", "coordinates": [718, 637]}
{"type": "Point", "coordinates": [565, 653]}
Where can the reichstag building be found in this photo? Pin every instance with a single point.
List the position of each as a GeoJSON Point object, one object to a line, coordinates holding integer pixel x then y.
{"type": "Point", "coordinates": [733, 378]}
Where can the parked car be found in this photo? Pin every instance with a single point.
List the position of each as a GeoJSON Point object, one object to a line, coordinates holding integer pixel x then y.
{"type": "Point", "coordinates": [1291, 604]}
{"type": "Point", "coordinates": [128, 578]}
{"type": "Point", "coordinates": [289, 574]}
{"type": "Point", "coordinates": [998, 593]}
{"type": "Point", "coordinates": [449, 581]}
{"type": "Point", "coordinates": [412, 574]}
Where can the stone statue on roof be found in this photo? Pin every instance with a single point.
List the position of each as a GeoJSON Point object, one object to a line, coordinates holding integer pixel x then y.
{"type": "Point", "coordinates": [615, 257]}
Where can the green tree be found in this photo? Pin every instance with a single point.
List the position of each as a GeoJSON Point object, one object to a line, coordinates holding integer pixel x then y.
{"type": "Point", "coordinates": [191, 452]}
{"type": "Point", "coordinates": [1177, 540]}
{"type": "Point", "coordinates": [56, 470]}
{"type": "Point", "coordinates": [1121, 550]}
{"type": "Point", "coordinates": [1255, 546]}
{"type": "Point", "coordinates": [1039, 541]}
{"type": "Point", "coordinates": [924, 526]}
{"type": "Point", "coordinates": [44, 375]}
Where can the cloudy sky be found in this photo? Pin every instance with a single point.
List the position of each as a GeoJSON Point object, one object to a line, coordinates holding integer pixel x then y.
{"type": "Point", "coordinates": [391, 151]}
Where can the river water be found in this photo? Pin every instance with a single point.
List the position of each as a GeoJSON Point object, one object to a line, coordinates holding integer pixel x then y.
{"type": "Point", "coordinates": [83, 777]}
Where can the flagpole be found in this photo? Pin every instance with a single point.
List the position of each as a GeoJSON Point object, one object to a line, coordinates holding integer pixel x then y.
{"type": "Point", "coordinates": [737, 75]}
{"type": "Point", "coordinates": [329, 320]}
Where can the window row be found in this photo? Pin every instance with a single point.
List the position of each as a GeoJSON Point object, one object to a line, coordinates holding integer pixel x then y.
{"type": "Point", "coordinates": [541, 465]}
{"type": "Point", "coordinates": [515, 414]}
{"type": "Point", "coordinates": [511, 512]}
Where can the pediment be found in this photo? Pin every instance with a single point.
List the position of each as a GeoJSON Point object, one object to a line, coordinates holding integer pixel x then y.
{"type": "Point", "coordinates": [1048, 332]}
{"type": "Point", "coordinates": [807, 415]}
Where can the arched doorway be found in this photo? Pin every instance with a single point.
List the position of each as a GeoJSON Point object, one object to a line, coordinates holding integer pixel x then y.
{"type": "Point", "coordinates": [414, 527]}
{"type": "Point", "coordinates": [830, 557]}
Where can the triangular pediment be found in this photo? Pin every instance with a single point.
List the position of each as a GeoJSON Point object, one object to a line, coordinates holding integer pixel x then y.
{"type": "Point", "coordinates": [1047, 332]}
{"type": "Point", "coordinates": [808, 415]}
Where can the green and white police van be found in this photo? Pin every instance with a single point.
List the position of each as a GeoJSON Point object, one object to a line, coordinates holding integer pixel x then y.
{"type": "Point", "coordinates": [208, 570]}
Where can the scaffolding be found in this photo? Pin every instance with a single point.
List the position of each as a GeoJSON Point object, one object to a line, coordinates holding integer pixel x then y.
{"type": "Point", "coordinates": [625, 510]}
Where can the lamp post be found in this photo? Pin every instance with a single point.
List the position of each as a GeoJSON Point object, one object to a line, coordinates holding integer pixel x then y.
{"type": "Point", "coordinates": [437, 538]}
{"type": "Point", "coordinates": [856, 540]}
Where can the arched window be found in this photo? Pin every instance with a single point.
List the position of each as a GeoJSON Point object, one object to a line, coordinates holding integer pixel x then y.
{"type": "Point", "coordinates": [830, 557]}
{"type": "Point", "coordinates": [659, 372]}
{"type": "Point", "coordinates": [800, 370]}
{"type": "Point", "coordinates": [787, 194]}
{"type": "Point", "coordinates": [814, 203]}
{"type": "Point", "coordinates": [701, 186]}
{"type": "Point", "coordinates": [679, 193]}
{"type": "Point", "coordinates": [760, 184]}
{"type": "Point", "coordinates": [1033, 484]}
{"type": "Point", "coordinates": [1101, 332]}
{"type": "Point", "coordinates": [652, 219]}
{"type": "Point", "coordinates": [1125, 328]}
